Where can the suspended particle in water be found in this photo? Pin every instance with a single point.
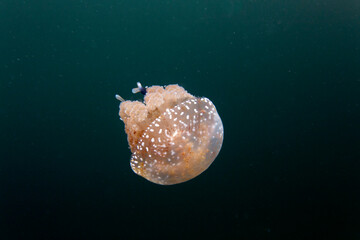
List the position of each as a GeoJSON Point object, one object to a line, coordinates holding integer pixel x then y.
{"type": "Point", "coordinates": [173, 136]}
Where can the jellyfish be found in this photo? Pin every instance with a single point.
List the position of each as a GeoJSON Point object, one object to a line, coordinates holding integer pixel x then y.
{"type": "Point", "coordinates": [173, 136]}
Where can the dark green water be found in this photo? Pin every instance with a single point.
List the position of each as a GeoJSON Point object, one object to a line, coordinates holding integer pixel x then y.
{"type": "Point", "coordinates": [284, 76]}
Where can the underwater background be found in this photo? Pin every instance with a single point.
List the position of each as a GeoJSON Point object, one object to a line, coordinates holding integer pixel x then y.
{"type": "Point", "coordinates": [283, 75]}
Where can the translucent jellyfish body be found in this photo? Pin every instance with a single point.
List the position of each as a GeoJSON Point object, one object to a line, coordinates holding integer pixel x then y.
{"type": "Point", "coordinates": [173, 136]}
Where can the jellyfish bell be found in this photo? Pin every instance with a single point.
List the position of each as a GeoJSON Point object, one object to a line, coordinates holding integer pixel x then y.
{"type": "Point", "coordinates": [173, 136]}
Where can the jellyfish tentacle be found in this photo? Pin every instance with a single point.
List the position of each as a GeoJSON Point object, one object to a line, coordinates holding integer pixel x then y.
{"type": "Point", "coordinates": [139, 88]}
{"type": "Point", "coordinates": [118, 97]}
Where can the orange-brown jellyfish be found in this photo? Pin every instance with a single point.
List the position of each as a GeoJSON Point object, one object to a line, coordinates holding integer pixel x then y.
{"type": "Point", "coordinates": [173, 136]}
